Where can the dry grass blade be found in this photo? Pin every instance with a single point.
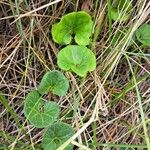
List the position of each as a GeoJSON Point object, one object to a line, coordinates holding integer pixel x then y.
{"type": "Point", "coordinates": [109, 108]}
{"type": "Point", "coordinates": [37, 9]}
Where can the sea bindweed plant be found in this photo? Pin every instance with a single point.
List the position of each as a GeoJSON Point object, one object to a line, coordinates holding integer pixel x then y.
{"type": "Point", "coordinates": [56, 135]}
{"type": "Point", "coordinates": [78, 24]}
{"type": "Point", "coordinates": [41, 114]}
{"type": "Point", "coordinates": [55, 82]}
{"type": "Point", "coordinates": [45, 114]}
{"type": "Point", "coordinates": [143, 34]}
{"type": "Point", "coordinates": [78, 59]}
{"type": "Point", "coordinates": [121, 10]}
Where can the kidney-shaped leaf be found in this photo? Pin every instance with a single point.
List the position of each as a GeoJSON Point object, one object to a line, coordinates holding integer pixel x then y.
{"type": "Point", "coordinates": [120, 10]}
{"type": "Point", "coordinates": [79, 24]}
{"type": "Point", "coordinates": [56, 135]}
{"type": "Point", "coordinates": [143, 34]}
{"type": "Point", "coordinates": [55, 82]}
{"type": "Point", "coordinates": [79, 59]}
{"type": "Point", "coordinates": [40, 114]}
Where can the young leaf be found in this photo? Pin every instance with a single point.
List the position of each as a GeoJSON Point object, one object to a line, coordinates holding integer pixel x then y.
{"type": "Point", "coordinates": [40, 114]}
{"type": "Point", "coordinates": [120, 10]}
{"type": "Point", "coordinates": [79, 59]}
{"type": "Point", "coordinates": [56, 135]}
{"type": "Point", "coordinates": [78, 23]}
{"type": "Point", "coordinates": [143, 34]}
{"type": "Point", "coordinates": [55, 82]}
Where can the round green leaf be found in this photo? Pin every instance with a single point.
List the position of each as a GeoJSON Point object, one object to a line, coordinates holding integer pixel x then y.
{"type": "Point", "coordinates": [121, 10]}
{"type": "Point", "coordinates": [143, 34]}
{"type": "Point", "coordinates": [79, 24]}
{"type": "Point", "coordinates": [79, 59]}
{"type": "Point", "coordinates": [56, 135]}
{"type": "Point", "coordinates": [40, 114]}
{"type": "Point", "coordinates": [55, 82]}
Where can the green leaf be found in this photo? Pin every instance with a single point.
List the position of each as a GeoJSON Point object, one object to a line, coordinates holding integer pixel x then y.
{"type": "Point", "coordinates": [79, 24]}
{"type": "Point", "coordinates": [121, 10]}
{"type": "Point", "coordinates": [56, 135]}
{"type": "Point", "coordinates": [143, 34]}
{"type": "Point", "coordinates": [78, 59]}
{"type": "Point", "coordinates": [55, 82]}
{"type": "Point", "coordinates": [40, 114]}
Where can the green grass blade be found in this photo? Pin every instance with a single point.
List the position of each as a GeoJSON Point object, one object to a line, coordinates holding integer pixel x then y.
{"type": "Point", "coordinates": [5, 103]}
{"type": "Point", "coordinates": [118, 145]}
{"type": "Point", "coordinates": [140, 105]}
{"type": "Point", "coordinates": [127, 88]}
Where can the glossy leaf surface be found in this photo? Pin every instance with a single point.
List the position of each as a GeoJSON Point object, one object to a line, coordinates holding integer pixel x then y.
{"type": "Point", "coordinates": [78, 24]}
{"type": "Point", "coordinates": [143, 34]}
{"type": "Point", "coordinates": [78, 59]}
{"type": "Point", "coordinates": [40, 114]}
{"type": "Point", "coordinates": [121, 10]}
{"type": "Point", "coordinates": [56, 135]}
{"type": "Point", "coordinates": [55, 82]}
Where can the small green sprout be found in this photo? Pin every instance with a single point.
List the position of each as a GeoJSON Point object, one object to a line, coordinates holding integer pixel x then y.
{"type": "Point", "coordinates": [40, 114]}
{"type": "Point", "coordinates": [55, 82]}
{"type": "Point", "coordinates": [56, 135]}
{"type": "Point", "coordinates": [143, 34]}
{"type": "Point", "coordinates": [79, 24]}
{"type": "Point", "coordinates": [78, 59]}
{"type": "Point", "coordinates": [121, 10]}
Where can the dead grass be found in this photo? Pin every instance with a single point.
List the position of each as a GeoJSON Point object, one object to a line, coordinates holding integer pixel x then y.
{"type": "Point", "coordinates": [103, 108]}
